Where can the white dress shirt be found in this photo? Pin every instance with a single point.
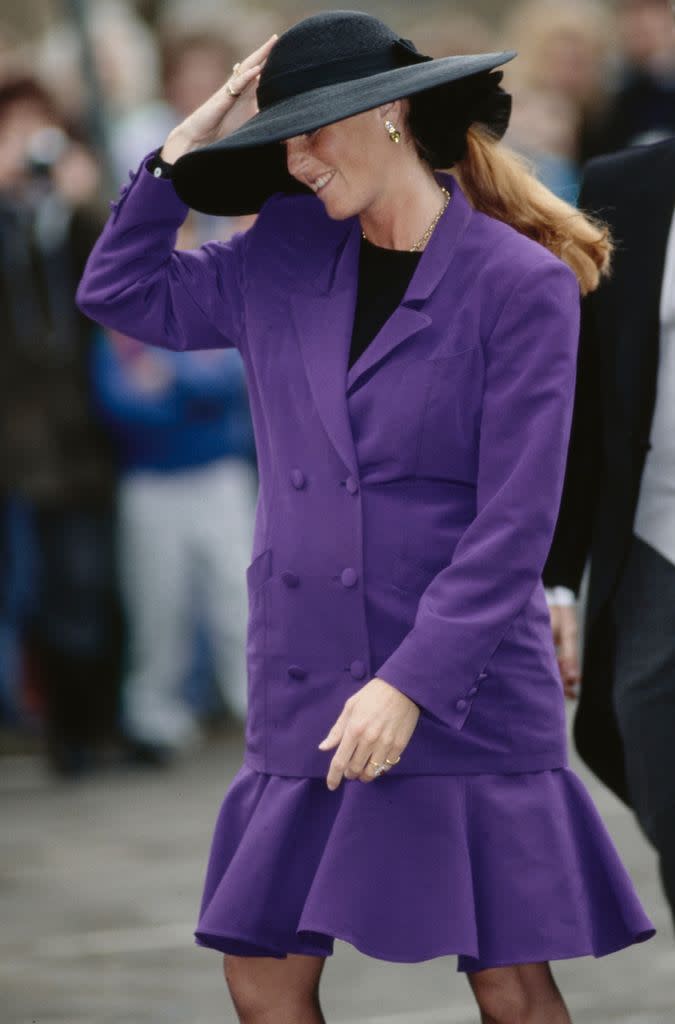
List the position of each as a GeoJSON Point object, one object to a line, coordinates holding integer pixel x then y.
{"type": "Point", "coordinates": [655, 513]}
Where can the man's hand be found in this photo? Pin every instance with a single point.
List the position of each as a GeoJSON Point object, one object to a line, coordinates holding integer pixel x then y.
{"type": "Point", "coordinates": [565, 628]}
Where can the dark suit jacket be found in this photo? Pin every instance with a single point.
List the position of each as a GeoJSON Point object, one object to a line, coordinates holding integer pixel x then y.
{"type": "Point", "coordinates": [634, 191]}
{"type": "Point", "coordinates": [52, 448]}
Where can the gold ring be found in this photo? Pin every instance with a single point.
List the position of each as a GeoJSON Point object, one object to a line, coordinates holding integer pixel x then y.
{"type": "Point", "coordinates": [231, 90]}
{"type": "Point", "coordinates": [379, 768]}
{"type": "Point", "coordinates": [236, 66]}
{"type": "Point", "coordinates": [387, 761]}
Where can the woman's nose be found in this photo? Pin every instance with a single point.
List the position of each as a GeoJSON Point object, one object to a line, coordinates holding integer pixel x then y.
{"type": "Point", "coordinates": [294, 151]}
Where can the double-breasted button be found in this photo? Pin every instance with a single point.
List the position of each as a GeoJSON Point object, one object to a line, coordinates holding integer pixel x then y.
{"type": "Point", "coordinates": [460, 704]}
{"type": "Point", "coordinates": [298, 479]}
{"type": "Point", "coordinates": [349, 577]}
{"type": "Point", "coordinates": [483, 675]}
{"type": "Point", "coordinates": [297, 672]}
{"type": "Point", "coordinates": [352, 485]}
{"type": "Point", "coordinates": [473, 691]}
{"type": "Point", "coordinates": [290, 579]}
{"type": "Point", "coordinates": [357, 669]}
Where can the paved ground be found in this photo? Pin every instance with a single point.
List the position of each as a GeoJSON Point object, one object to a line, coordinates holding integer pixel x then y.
{"type": "Point", "coordinates": [99, 885]}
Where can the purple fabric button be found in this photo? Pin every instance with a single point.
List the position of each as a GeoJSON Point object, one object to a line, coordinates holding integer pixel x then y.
{"type": "Point", "coordinates": [349, 577]}
{"type": "Point", "coordinates": [298, 479]}
{"type": "Point", "coordinates": [460, 705]}
{"type": "Point", "coordinates": [483, 675]}
{"type": "Point", "coordinates": [352, 485]}
{"type": "Point", "coordinates": [473, 691]}
{"type": "Point", "coordinates": [290, 579]}
{"type": "Point", "coordinates": [296, 672]}
{"type": "Point", "coordinates": [357, 669]}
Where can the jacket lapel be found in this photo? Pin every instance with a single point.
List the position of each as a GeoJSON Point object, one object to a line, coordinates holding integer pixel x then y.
{"type": "Point", "coordinates": [324, 316]}
{"type": "Point", "coordinates": [323, 322]}
{"type": "Point", "coordinates": [407, 319]}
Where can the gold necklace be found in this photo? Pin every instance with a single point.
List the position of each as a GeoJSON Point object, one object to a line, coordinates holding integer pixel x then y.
{"type": "Point", "coordinates": [427, 234]}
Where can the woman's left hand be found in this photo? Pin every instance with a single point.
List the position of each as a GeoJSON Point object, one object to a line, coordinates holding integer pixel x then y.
{"type": "Point", "coordinates": [376, 722]}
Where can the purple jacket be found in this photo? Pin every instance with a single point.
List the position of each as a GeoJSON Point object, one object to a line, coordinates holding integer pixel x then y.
{"type": "Point", "coordinates": [406, 505]}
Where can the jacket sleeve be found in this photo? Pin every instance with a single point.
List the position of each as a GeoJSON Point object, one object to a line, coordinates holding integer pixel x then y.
{"type": "Point", "coordinates": [136, 282]}
{"type": "Point", "coordinates": [467, 608]}
{"type": "Point", "coordinates": [572, 536]}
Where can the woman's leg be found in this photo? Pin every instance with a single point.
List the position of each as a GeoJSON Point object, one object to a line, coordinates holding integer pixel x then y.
{"type": "Point", "coordinates": [518, 994]}
{"type": "Point", "coordinates": [265, 990]}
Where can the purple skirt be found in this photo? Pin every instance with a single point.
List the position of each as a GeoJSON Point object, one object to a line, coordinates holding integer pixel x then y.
{"type": "Point", "coordinates": [497, 869]}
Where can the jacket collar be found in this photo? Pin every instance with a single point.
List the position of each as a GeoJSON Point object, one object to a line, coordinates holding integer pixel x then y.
{"type": "Point", "coordinates": [323, 312]}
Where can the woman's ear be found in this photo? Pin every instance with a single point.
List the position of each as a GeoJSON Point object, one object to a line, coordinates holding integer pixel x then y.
{"type": "Point", "coordinates": [392, 110]}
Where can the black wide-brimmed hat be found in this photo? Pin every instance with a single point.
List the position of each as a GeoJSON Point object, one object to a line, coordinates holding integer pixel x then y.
{"type": "Point", "coordinates": [327, 67]}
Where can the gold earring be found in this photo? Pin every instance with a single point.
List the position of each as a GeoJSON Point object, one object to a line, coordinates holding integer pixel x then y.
{"type": "Point", "coordinates": [394, 133]}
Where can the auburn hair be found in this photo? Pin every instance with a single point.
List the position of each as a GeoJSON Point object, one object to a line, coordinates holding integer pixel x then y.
{"type": "Point", "coordinates": [500, 183]}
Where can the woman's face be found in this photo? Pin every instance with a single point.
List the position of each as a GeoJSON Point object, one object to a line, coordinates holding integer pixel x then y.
{"type": "Point", "coordinates": [346, 163]}
{"type": "Point", "coordinates": [19, 122]}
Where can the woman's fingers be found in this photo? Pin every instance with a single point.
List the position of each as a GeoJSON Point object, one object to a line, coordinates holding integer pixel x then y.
{"type": "Point", "coordinates": [250, 66]}
{"type": "Point", "coordinates": [376, 723]}
{"type": "Point", "coordinates": [240, 78]}
{"type": "Point", "coordinates": [260, 53]}
{"type": "Point", "coordinates": [341, 759]}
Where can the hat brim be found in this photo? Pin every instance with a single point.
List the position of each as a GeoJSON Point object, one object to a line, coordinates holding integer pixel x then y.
{"type": "Point", "coordinates": [235, 175]}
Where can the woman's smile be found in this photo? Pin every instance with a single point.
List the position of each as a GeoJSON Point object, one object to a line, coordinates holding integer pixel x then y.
{"type": "Point", "coordinates": [322, 181]}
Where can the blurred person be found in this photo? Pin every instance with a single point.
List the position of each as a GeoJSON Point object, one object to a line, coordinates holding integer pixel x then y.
{"type": "Point", "coordinates": [126, 58]}
{"type": "Point", "coordinates": [186, 503]}
{"type": "Point", "coordinates": [54, 457]}
{"type": "Point", "coordinates": [194, 64]}
{"type": "Point", "coordinates": [410, 355]}
{"type": "Point", "coordinates": [642, 106]}
{"type": "Point", "coordinates": [240, 24]}
{"type": "Point", "coordinates": [191, 62]}
{"type": "Point", "coordinates": [618, 505]}
{"type": "Point", "coordinates": [564, 50]}
{"type": "Point", "coordinates": [14, 52]}
{"type": "Point", "coordinates": [544, 128]}
{"type": "Point", "coordinates": [452, 32]}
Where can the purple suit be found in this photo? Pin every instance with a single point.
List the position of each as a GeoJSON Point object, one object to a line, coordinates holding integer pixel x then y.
{"type": "Point", "coordinates": [407, 505]}
{"type": "Point", "coordinates": [405, 512]}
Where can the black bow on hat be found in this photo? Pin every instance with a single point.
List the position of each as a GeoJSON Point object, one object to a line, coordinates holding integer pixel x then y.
{"type": "Point", "coordinates": [327, 67]}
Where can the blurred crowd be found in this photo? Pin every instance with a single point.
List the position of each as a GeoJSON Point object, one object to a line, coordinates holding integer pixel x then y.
{"type": "Point", "coordinates": [128, 474]}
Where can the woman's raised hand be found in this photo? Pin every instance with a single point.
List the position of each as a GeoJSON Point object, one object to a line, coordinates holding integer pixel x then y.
{"type": "Point", "coordinates": [222, 113]}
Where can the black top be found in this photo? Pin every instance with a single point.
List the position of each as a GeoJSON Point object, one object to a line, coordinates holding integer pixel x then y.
{"type": "Point", "coordinates": [383, 279]}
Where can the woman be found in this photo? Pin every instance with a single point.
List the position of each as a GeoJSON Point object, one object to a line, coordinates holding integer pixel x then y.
{"type": "Point", "coordinates": [410, 357]}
